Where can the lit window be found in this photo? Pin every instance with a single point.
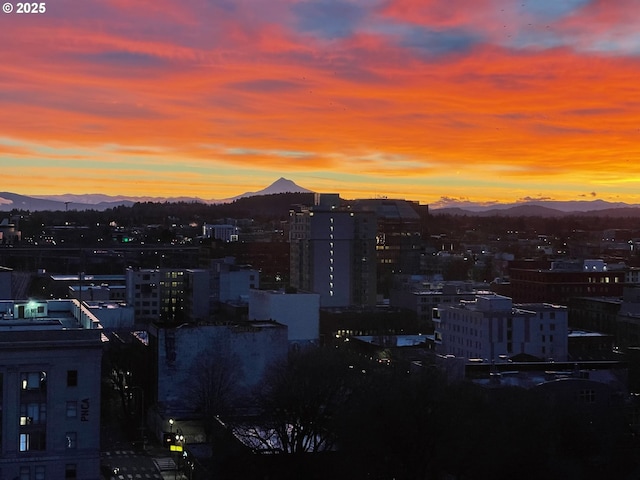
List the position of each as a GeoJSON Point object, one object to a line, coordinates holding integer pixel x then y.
{"type": "Point", "coordinates": [24, 442]}
{"type": "Point", "coordinates": [33, 413]}
{"type": "Point", "coordinates": [71, 440]}
{"type": "Point", "coordinates": [33, 380]}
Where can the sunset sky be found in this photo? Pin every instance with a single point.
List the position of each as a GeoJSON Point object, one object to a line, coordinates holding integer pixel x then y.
{"type": "Point", "coordinates": [429, 100]}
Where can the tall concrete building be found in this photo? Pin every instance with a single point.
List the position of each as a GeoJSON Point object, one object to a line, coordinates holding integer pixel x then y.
{"type": "Point", "coordinates": [398, 237]}
{"type": "Point", "coordinates": [333, 252]}
{"type": "Point", "coordinates": [50, 361]}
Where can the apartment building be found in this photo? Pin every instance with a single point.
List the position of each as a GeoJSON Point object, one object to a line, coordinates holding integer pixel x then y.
{"type": "Point", "coordinates": [491, 328]}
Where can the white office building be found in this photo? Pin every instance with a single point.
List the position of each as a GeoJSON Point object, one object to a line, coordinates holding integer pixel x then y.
{"type": "Point", "coordinates": [490, 328]}
{"type": "Point", "coordinates": [300, 312]}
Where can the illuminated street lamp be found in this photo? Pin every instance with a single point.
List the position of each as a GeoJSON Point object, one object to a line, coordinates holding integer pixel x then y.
{"type": "Point", "coordinates": [178, 447]}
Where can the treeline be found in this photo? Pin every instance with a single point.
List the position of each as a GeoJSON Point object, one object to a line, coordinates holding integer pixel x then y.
{"type": "Point", "coordinates": [565, 226]}
{"type": "Point", "coordinates": [269, 208]}
{"type": "Point", "coordinates": [260, 208]}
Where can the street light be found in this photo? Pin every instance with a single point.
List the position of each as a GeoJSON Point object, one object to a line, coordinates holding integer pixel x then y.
{"type": "Point", "coordinates": [179, 439]}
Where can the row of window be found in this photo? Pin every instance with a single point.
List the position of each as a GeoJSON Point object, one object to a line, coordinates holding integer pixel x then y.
{"type": "Point", "coordinates": [552, 326]}
{"type": "Point", "coordinates": [37, 441]}
{"type": "Point", "coordinates": [38, 380]}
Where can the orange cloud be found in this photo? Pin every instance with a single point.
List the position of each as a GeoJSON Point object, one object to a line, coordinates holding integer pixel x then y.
{"type": "Point", "coordinates": [407, 94]}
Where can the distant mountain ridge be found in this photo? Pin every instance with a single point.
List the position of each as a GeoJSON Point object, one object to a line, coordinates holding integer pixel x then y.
{"type": "Point", "coordinates": [533, 207]}
{"type": "Point", "coordinates": [545, 209]}
{"type": "Point", "coordinates": [98, 201]}
{"type": "Point", "coordinates": [562, 206]}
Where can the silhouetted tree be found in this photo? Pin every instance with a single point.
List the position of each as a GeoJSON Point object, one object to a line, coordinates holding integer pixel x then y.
{"type": "Point", "coordinates": [216, 388]}
{"type": "Point", "coordinates": [299, 400]}
{"type": "Point", "coordinates": [390, 425]}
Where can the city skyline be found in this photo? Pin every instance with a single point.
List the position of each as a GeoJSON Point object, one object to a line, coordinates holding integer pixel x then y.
{"type": "Point", "coordinates": [483, 101]}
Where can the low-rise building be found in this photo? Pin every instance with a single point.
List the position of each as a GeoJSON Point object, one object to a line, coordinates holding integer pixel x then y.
{"type": "Point", "coordinates": [181, 355]}
{"type": "Point", "coordinates": [300, 312]}
{"type": "Point", "coordinates": [422, 298]}
{"type": "Point", "coordinates": [562, 280]}
{"type": "Point", "coordinates": [491, 328]}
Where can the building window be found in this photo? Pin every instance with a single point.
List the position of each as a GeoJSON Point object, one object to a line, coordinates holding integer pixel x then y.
{"type": "Point", "coordinates": [33, 413]}
{"type": "Point", "coordinates": [32, 441]}
{"type": "Point", "coordinates": [72, 409]}
{"type": "Point", "coordinates": [25, 473]}
{"type": "Point", "coordinates": [72, 378]}
{"type": "Point", "coordinates": [24, 442]}
{"type": "Point", "coordinates": [33, 380]}
{"type": "Point", "coordinates": [71, 440]}
{"type": "Point", "coordinates": [40, 472]}
{"type": "Point", "coordinates": [587, 396]}
{"type": "Point", "coordinates": [70, 471]}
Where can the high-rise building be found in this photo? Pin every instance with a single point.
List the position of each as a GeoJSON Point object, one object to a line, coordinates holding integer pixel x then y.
{"type": "Point", "coordinates": [333, 252]}
{"type": "Point", "coordinates": [398, 237]}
